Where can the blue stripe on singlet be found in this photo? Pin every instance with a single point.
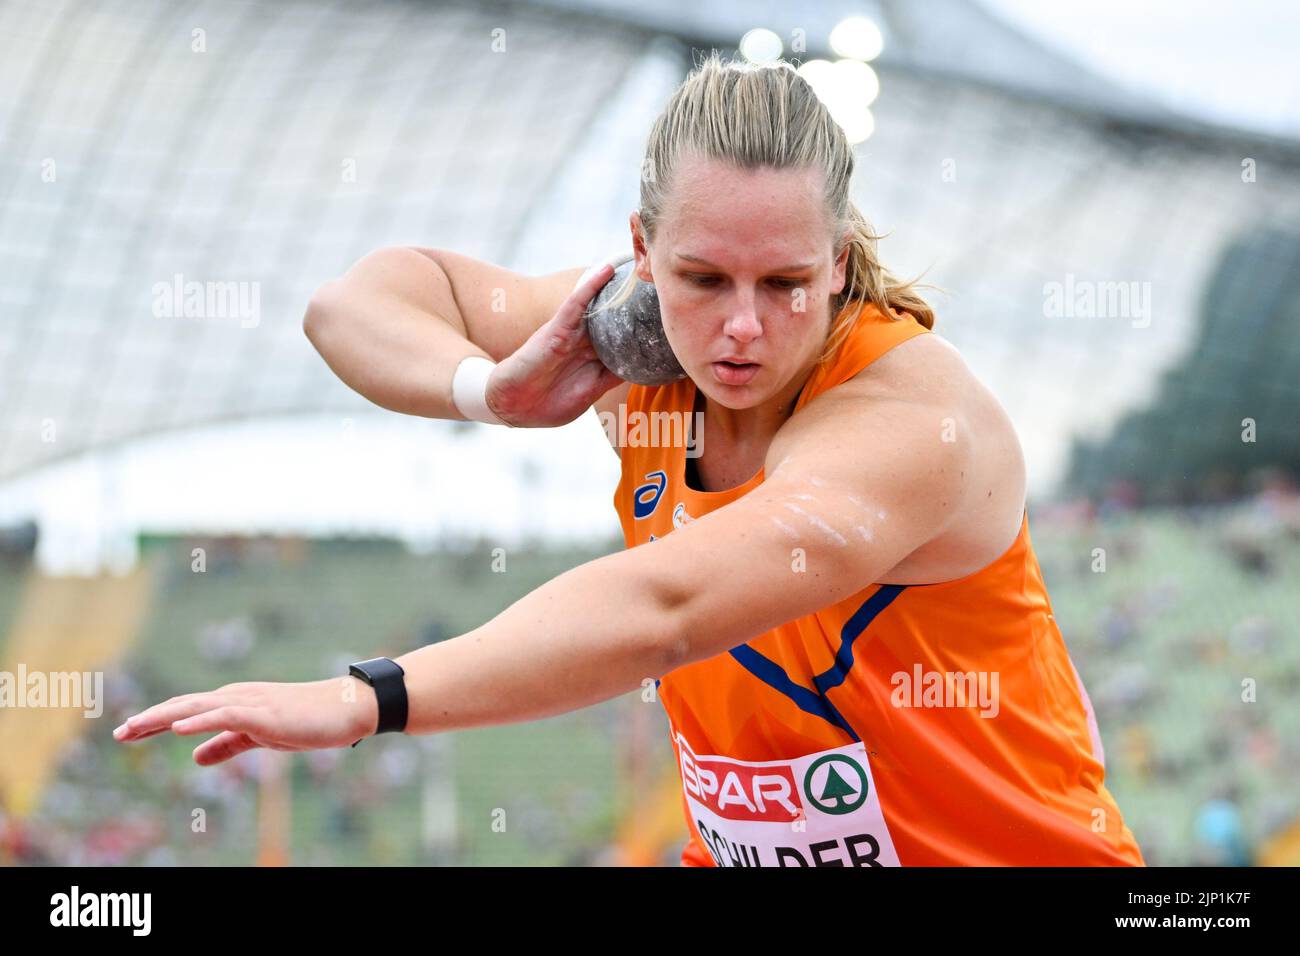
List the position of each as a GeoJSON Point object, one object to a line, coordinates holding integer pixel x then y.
{"type": "Point", "coordinates": [774, 675]}
{"type": "Point", "coordinates": [816, 702]}
{"type": "Point", "coordinates": [851, 631]}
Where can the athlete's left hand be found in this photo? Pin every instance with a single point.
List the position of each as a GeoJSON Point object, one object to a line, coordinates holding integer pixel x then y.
{"type": "Point", "coordinates": [315, 715]}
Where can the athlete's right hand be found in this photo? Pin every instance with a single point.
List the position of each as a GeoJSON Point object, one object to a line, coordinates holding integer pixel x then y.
{"type": "Point", "coordinates": [554, 376]}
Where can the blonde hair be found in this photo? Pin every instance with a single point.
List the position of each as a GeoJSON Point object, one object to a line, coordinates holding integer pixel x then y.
{"type": "Point", "coordinates": [767, 116]}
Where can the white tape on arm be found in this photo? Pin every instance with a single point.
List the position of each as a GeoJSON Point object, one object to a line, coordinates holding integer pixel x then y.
{"type": "Point", "coordinates": [469, 389]}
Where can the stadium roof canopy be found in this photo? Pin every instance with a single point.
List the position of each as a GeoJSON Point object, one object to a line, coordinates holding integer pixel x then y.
{"type": "Point", "coordinates": [918, 36]}
{"type": "Point", "coordinates": [258, 149]}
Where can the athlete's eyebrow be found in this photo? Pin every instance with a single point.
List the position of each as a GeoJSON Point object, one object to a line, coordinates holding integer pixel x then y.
{"type": "Point", "coordinates": [705, 262]}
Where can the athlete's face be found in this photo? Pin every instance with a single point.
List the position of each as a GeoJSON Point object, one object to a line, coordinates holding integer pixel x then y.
{"type": "Point", "coordinates": [744, 265]}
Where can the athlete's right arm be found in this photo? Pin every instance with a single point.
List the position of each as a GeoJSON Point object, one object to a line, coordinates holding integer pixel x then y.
{"type": "Point", "coordinates": [395, 325]}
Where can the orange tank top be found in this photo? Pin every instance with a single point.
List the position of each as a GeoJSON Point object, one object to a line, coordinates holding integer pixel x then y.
{"type": "Point", "coordinates": [920, 725]}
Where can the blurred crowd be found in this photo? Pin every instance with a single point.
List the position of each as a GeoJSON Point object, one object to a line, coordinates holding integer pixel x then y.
{"type": "Point", "coordinates": [1192, 662]}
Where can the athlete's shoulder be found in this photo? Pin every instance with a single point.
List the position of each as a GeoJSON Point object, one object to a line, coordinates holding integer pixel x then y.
{"type": "Point", "coordinates": [922, 368]}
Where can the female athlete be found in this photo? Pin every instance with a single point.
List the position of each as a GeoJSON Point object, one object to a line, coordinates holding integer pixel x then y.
{"type": "Point", "coordinates": [837, 601]}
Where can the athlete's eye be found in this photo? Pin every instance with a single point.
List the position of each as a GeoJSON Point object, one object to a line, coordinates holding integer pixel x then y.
{"type": "Point", "coordinates": [702, 280]}
{"type": "Point", "coordinates": [788, 283]}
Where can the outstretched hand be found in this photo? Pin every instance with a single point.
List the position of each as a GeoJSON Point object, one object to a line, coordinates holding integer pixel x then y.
{"type": "Point", "coordinates": [315, 715]}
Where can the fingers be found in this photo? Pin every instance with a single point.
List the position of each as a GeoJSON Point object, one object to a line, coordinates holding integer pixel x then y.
{"type": "Point", "coordinates": [592, 281]}
{"type": "Point", "coordinates": [593, 271]}
{"type": "Point", "coordinates": [240, 719]}
{"type": "Point", "coordinates": [223, 747]}
{"type": "Point", "coordinates": [134, 737]}
{"type": "Point", "coordinates": [160, 717]}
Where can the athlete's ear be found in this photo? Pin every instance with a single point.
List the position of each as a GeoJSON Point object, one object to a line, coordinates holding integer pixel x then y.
{"type": "Point", "coordinates": [640, 250]}
{"type": "Point", "coordinates": [840, 268]}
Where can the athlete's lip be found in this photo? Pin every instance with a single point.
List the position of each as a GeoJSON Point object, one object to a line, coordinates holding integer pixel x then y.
{"type": "Point", "coordinates": [735, 375]}
{"type": "Point", "coordinates": [737, 361]}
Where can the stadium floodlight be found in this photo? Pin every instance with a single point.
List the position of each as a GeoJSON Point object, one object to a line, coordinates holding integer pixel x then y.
{"type": "Point", "coordinates": [856, 80]}
{"type": "Point", "coordinates": [819, 76]}
{"type": "Point", "coordinates": [857, 38]}
{"type": "Point", "coordinates": [761, 45]}
{"type": "Point", "coordinates": [857, 122]}
{"type": "Point", "coordinates": [847, 91]}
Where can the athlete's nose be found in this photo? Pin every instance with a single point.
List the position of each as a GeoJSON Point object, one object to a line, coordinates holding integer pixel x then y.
{"type": "Point", "coordinates": [743, 324]}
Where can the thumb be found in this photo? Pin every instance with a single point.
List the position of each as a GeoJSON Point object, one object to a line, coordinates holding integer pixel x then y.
{"type": "Point", "coordinates": [571, 313]}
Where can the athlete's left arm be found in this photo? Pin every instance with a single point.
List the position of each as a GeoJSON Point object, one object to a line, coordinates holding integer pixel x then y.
{"type": "Point", "coordinates": [854, 483]}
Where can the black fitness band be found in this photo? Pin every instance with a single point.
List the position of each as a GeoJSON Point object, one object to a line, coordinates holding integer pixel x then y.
{"type": "Point", "coordinates": [389, 681]}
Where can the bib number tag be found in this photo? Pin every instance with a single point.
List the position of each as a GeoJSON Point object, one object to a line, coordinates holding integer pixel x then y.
{"type": "Point", "coordinates": [820, 809]}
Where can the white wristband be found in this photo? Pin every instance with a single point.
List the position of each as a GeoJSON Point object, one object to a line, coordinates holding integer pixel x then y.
{"type": "Point", "coordinates": [469, 389]}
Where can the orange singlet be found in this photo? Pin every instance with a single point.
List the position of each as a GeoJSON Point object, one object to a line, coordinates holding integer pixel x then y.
{"type": "Point", "coordinates": [921, 725]}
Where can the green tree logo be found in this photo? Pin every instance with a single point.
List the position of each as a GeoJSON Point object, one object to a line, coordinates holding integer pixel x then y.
{"type": "Point", "coordinates": [837, 794]}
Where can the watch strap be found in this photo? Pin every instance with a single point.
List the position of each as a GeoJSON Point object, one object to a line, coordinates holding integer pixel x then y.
{"type": "Point", "coordinates": [389, 681]}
